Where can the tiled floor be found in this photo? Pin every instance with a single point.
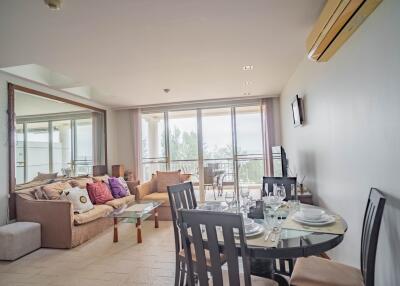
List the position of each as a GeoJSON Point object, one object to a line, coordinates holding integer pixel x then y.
{"type": "Point", "coordinates": [100, 262]}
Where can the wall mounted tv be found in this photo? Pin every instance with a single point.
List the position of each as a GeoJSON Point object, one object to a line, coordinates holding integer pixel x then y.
{"type": "Point", "coordinates": [297, 111]}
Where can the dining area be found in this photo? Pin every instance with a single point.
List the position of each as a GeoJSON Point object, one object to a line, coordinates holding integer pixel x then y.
{"type": "Point", "coordinates": [271, 240]}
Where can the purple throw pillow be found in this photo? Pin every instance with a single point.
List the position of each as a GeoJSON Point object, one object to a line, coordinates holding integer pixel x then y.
{"type": "Point", "coordinates": [117, 189]}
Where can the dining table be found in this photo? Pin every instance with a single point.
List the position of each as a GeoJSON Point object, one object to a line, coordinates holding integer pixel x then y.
{"type": "Point", "coordinates": [275, 259]}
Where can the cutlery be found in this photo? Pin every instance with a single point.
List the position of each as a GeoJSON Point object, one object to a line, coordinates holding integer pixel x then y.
{"type": "Point", "coordinates": [267, 235]}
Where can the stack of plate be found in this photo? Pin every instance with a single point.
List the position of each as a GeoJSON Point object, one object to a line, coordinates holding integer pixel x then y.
{"type": "Point", "coordinates": [213, 206]}
{"type": "Point", "coordinates": [251, 228]}
{"type": "Point", "coordinates": [313, 216]}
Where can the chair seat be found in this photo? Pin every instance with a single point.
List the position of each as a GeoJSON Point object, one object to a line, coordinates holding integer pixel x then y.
{"type": "Point", "coordinates": [255, 280]}
{"type": "Point", "coordinates": [206, 253]}
{"type": "Point", "coordinates": [316, 271]}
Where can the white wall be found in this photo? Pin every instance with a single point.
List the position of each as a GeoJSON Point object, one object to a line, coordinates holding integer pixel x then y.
{"type": "Point", "coordinates": [351, 140]}
{"type": "Point", "coordinates": [4, 79]}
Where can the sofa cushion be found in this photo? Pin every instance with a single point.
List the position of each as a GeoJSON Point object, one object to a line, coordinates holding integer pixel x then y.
{"type": "Point", "coordinates": [315, 271]}
{"type": "Point", "coordinates": [39, 194]}
{"type": "Point", "coordinates": [45, 176]}
{"type": "Point", "coordinates": [99, 193]}
{"type": "Point", "coordinates": [54, 190]}
{"type": "Point", "coordinates": [101, 179]}
{"type": "Point", "coordinates": [165, 179]}
{"type": "Point", "coordinates": [125, 185]}
{"type": "Point", "coordinates": [81, 182]}
{"type": "Point", "coordinates": [158, 197]}
{"type": "Point", "coordinates": [117, 203]}
{"type": "Point", "coordinates": [79, 199]}
{"type": "Point", "coordinates": [116, 187]}
{"type": "Point", "coordinates": [98, 211]}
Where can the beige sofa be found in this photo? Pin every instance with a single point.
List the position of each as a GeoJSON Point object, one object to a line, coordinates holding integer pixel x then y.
{"type": "Point", "coordinates": [60, 227]}
{"type": "Point", "coordinates": [148, 191]}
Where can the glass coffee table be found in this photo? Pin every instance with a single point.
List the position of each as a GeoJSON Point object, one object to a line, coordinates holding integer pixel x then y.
{"type": "Point", "coordinates": [135, 212]}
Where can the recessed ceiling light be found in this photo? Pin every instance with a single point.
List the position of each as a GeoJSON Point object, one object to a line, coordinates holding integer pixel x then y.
{"type": "Point", "coordinates": [248, 68]}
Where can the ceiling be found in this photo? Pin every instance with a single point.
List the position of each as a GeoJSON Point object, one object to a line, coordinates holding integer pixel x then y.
{"type": "Point", "coordinates": [130, 50]}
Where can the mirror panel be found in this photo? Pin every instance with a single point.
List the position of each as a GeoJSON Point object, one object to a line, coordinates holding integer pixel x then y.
{"type": "Point", "coordinates": [55, 139]}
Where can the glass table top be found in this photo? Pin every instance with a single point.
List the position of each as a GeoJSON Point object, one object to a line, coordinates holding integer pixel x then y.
{"type": "Point", "coordinates": [137, 209]}
{"type": "Point", "coordinates": [294, 243]}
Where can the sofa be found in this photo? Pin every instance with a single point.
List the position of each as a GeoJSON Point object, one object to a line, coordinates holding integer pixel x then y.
{"type": "Point", "coordinates": [150, 191]}
{"type": "Point", "coordinates": [60, 226]}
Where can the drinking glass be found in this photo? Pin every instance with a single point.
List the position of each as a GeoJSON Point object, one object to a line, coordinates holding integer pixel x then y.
{"type": "Point", "coordinates": [294, 206]}
{"type": "Point", "coordinates": [244, 193]}
{"type": "Point", "coordinates": [229, 199]}
{"type": "Point", "coordinates": [268, 217]}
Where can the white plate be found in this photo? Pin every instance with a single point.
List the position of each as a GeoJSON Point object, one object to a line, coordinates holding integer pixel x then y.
{"type": "Point", "coordinates": [323, 218]}
{"type": "Point", "coordinates": [258, 228]}
{"type": "Point", "coordinates": [213, 206]}
{"type": "Point", "coordinates": [314, 223]}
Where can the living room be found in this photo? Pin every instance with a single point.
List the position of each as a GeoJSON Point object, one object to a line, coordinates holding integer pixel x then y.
{"type": "Point", "coordinates": [110, 108]}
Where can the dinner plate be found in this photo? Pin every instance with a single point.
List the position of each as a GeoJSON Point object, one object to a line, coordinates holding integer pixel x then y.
{"type": "Point", "coordinates": [256, 230]}
{"type": "Point", "coordinates": [323, 218]}
{"type": "Point", "coordinates": [330, 220]}
{"type": "Point", "coordinates": [213, 206]}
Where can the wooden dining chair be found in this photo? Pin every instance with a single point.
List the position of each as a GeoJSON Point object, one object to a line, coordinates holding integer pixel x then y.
{"type": "Point", "coordinates": [206, 223]}
{"type": "Point", "coordinates": [287, 182]}
{"type": "Point", "coordinates": [318, 271]}
{"type": "Point", "coordinates": [181, 196]}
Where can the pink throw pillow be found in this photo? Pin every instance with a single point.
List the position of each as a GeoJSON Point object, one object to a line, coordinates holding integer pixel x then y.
{"type": "Point", "coordinates": [99, 193]}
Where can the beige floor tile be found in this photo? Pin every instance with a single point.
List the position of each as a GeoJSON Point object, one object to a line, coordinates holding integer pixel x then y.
{"type": "Point", "coordinates": [100, 262]}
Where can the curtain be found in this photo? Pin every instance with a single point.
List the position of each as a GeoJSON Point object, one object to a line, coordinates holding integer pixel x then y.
{"type": "Point", "coordinates": [270, 125]}
{"type": "Point", "coordinates": [136, 129]}
{"type": "Point", "coordinates": [98, 139]}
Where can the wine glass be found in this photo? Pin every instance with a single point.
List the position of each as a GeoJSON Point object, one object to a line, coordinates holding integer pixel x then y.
{"type": "Point", "coordinates": [229, 199]}
{"type": "Point", "coordinates": [244, 193]}
{"type": "Point", "coordinates": [280, 193]}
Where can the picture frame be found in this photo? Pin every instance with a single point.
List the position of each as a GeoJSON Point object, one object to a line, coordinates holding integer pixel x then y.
{"type": "Point", "coordinates": [297, 111]}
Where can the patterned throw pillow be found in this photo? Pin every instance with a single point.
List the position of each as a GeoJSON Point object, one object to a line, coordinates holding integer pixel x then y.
{"type": "Point", "coordinates": [80, 199]}
{"type": "Point", "coordinates": [53, 191]}
{"type": "Point", "coordinates": [125, 185]}
{"type": "Point", "coordinates": [117, 190]}
{"type": "Point", "coordinates": [99, 193]}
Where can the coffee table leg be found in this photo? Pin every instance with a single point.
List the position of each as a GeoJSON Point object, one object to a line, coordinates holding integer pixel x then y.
{"type": "Point", "coordinates": [156, 218]}
{"type": "Point", "coordinates": [115, 229]}
{"type": "Point", "coordinates": [139, 230]}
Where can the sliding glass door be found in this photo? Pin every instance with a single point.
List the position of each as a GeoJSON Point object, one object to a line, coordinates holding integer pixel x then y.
{"type": "Point", "coordinates": [182, 142]}
{"type": "Point", "coordinates": [220, 147]}
{"type": "Point", "coordinates": [249, 149]}
{"type": "Point", "coordinates": [219, 175]}
{"type": "Point", "coordinates": [154, 141]}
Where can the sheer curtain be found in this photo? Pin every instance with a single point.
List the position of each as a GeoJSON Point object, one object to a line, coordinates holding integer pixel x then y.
{"type": "Point", "coordinates": [136, 128]}
{"type": "Point", "coordinates": [271, 132]}
{"type": "Point", "coordinates": [98, 140]}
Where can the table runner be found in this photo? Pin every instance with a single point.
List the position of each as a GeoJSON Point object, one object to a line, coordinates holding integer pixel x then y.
{"type": "Point", "coordinates": [338, 227]}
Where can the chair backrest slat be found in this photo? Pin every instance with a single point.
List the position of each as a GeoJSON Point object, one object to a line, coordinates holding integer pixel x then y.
{"type": "Point", "coordinates": [287, 182]}
{"type": "Point", "coordinates": [223, 237]}
{"type": "Point", "coordinates": [370, 234]}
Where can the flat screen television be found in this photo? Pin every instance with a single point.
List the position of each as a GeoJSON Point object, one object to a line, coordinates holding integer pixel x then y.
{"type": "Point", "coordinates": [297, 111]}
